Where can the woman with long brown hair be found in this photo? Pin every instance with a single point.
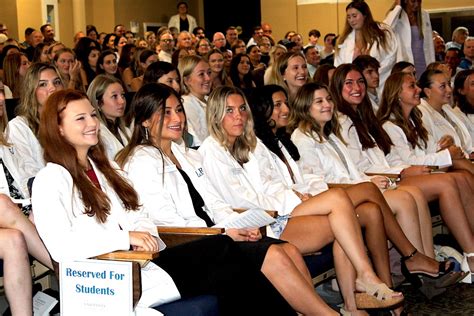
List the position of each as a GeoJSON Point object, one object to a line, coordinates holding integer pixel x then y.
{"type": "Point", "coordinates": [362, 35]}
{"type": "Point", "coordinates": [246, 174]}
{"type": "Point", "coordinates": [106, 216]}
{"type": "Point", "coordinates": [401, 119]}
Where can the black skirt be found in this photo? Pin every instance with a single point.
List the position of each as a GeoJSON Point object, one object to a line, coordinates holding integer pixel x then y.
{"type": "Point", "coordinates": [230, 270]}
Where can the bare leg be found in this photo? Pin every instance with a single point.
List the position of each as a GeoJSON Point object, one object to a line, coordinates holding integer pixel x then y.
{"type": "Point", "coordinates": [12, 217]}
{"type": "Point", "coordinates": [444, 188]}
{"type": "Point", "coordinates": [404, 208]}
{"type": "Point", "coordinates": [292, 284]}
{"type": "Point", "coordinates": [343, 223]}
{"type": "Point", "coordinates": [371, 219]}
{"type": "Point", "coordinates": [463, 164]}
{"type": "Point", "coordinates": [16, 271]}
{"type": "Point", "coordinates": [346, 276]}
{"type": "Point", "coordinates": [395, 233]}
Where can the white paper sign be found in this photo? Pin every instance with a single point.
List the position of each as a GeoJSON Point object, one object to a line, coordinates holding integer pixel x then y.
{"type": "Point", "coordinates": [252, 218]}
{"type": "Point", "coordinates": [96, 287]}
{"type": "Point", "coordinates": [43, 304]}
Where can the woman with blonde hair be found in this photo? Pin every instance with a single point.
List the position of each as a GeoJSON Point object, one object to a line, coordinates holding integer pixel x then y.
{"type": "Point", "coordinates": [291, 72]}
{"type": "Point", "coordinates": [108, 98]}
{"type": "Point", "coordinates": [246, 175]}
{"type": "Point", "coordinates": [195, 86]}
{"type": "Point", "coordinates": [41, 80]}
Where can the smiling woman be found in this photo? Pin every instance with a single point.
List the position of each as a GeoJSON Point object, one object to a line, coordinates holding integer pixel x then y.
{"type": "Point", "coordinates": [108, 97]}
{"type": "Point", "coordinates": [195, 86]}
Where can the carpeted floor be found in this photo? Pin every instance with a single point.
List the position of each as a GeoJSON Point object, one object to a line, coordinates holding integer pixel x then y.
{"type": "Point", "coordinates": [457, 300]}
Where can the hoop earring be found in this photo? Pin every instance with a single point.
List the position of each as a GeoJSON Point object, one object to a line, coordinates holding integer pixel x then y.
{"type": "Point", "coordinates": [272, 123]}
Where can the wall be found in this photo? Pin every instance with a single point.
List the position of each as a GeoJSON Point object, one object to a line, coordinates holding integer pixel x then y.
{"type": "Point", "coordinates": [8, 17]}
{"type": "Point", "coordinates": [329, 15]}
{"type": "Point", "coordinates": [28, 15]}
{"type": "Point", "coordinates": [281, 14]}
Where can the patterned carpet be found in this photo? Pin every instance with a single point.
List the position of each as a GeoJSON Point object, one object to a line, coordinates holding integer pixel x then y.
{"type": "Point", "coordinates": [457, 300]}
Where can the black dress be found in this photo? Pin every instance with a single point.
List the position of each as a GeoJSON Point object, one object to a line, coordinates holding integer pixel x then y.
{"type": "Point", "coordinates": [230, 270]}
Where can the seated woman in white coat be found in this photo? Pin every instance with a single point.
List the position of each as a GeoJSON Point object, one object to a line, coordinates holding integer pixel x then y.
{"type": "Point", "coordinates": [195, 86]}
{"type": "Point", "coordinates": [18, 235]}
{"type": "Point", "coordinates": [364, 36]}
{"type": "Point", "coordinates": [464, 99]}
{"type": "Point", "coordinates": [446, 130]}
{"type": "Point", "coordinates": [108, 97]}
{"type": "Point", "coordinates": [246, 175]}
{"type": "Point", "coordinates": [175, 191]}
{"type": "Point", "coordinates": [105, 215]}
{"type": "Point", "coordinates": [271, 113]}
{"type": "Point", "coordinates": [318, 139]}
{"type": "Point", "coordinates": [40, 81]}
{"type": "Point", "coordinates": [400, 117]}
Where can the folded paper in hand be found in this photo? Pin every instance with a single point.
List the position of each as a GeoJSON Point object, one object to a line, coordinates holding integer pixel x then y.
{"type": "Point", "coordinates": [252, 218]}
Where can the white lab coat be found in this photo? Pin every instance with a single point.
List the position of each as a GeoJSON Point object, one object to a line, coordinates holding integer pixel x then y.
{"type": "Point", "coordinates": [402, 152]}
{"type": "Point", "coordinates": [323, 160]}
{"type": "Point", "coordinates": [111, 143]}
{"type": "Point", "coordinates": [467, 119]}
{"type": "Point", "coordinates": [163, 192]}
{"type": "Point", "coordinates": [257, 184]}
{"type": "Point", "coordinates": [69, 234]}
{"type": "Point", "coordinates": [9, 158]}
{"type": "Point", "coordinates": [368, 160]}
{"type": "Point", "coordinates": [398, 20]}
{"type": "Point", "coordinates": [387, 58]}
{"type": "Point", "coordinates": [28, 149]}
{"type": "Point", "coordinates": [438, 126]}
{"type": "Point", "coordinates": [174, 22]}
{"type": "Point", "coordinates": [196, 117]}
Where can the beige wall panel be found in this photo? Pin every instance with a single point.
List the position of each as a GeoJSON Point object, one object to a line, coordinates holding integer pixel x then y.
{"type": "Point", "coordinates": [29, 15]}
{"type": "Point", "coordinates": [66, 25]}
{"type": "Point", "coordinates": [144, 11]}
{"type": "Point", "coordinates": [9, 17]}
{"type": "Point", "coordinates": [281, 14]}
{"type": "Point", "coordinates": [327, 16]}
{"type": "Point", "coordinates": [101, 14]}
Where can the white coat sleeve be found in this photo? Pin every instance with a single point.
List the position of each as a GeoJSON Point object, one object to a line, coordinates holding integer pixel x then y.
{"type": "Point", "coordinates": [237, 189]}
{"type": "Point", "coordinates": [145, 171]}
{"type": "Point", "coordinates": [20, 135]}
{"type": "Point", "coordinates": [392, 17]}
{"type": "Point", "coordinates": [58, 220]}
{"type": "Point", "coordinates": [402, 152]}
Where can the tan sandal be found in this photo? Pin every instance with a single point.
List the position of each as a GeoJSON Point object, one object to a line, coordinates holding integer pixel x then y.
{"type": "Point", "coordinates": [376, 296]}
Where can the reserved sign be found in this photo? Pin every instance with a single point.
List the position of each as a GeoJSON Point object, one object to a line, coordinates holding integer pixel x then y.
{"type": "Point", "coordinates": [96, 287]}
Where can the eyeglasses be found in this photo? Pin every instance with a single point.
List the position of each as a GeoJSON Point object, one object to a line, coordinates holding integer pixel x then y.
{"type": "Point", "coordinates": [167, 40]}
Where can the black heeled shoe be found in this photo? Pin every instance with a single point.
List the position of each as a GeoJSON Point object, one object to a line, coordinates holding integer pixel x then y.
{"type": "Point", "coordinates": [413, 276]}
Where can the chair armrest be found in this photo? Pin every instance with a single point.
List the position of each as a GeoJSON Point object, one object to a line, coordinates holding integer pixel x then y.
{"type": "Point", "coordinates": [273, 214]}
{"type": "Point", "coordinates": [174, 236]}
{"type": "Point", "coordinates": [339, 185]}
{"type": "Point", "coordinates": [141, 257]}
{"type": "Point", "coordinates": [388, 175]}
{"type": "Point", "coordinates": [129, 255]}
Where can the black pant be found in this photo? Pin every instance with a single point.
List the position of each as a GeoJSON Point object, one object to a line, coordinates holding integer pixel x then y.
{"type": "Point", "coordinates": [217, 265]}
